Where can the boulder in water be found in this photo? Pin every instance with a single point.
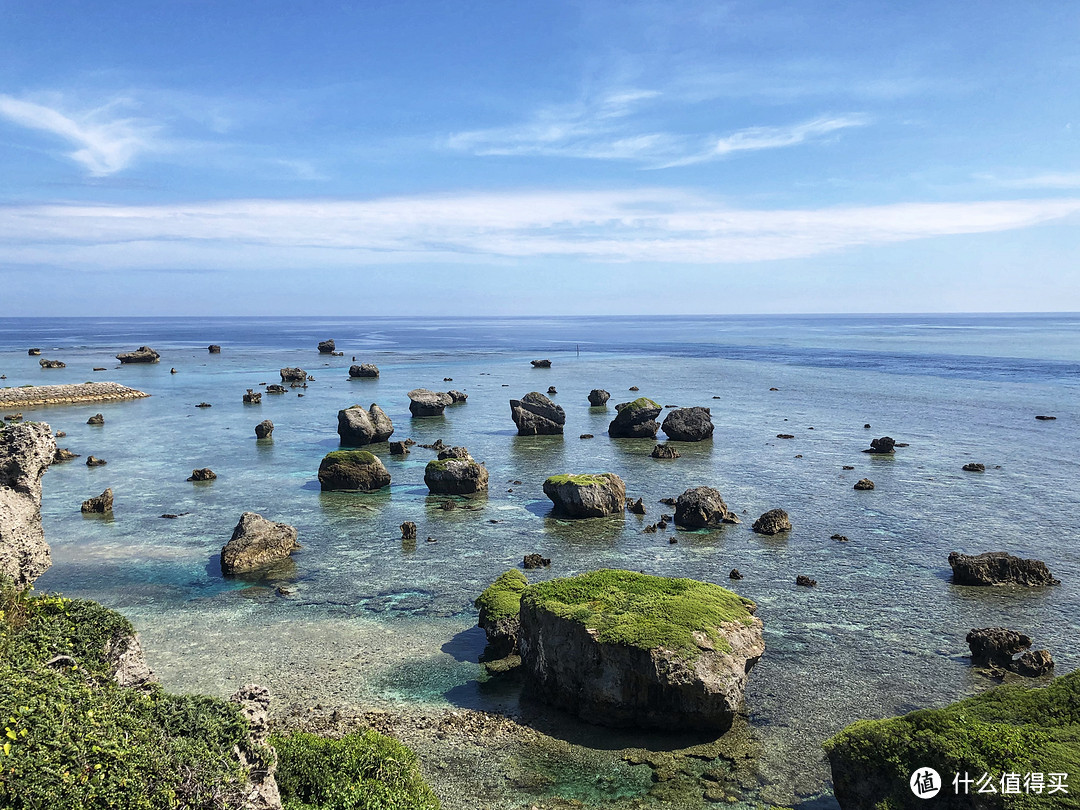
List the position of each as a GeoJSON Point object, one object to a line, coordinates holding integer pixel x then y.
{"type": "Point", "coordinates": [586, 496]}
{"type": "Point", "coordinates": [536, 415]}
{"type": "Point", "coordinates": [257, 542]}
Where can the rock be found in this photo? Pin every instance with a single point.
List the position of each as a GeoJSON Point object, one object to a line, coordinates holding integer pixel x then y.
{"type": "Point", "coordinates": [551, 389]}
{"type": "Point", "coordinates": [96, 419]}
{"type": "Point", "coordinates": [847, 467]}
{"type": "Point", "coordinates": [805, 581]}
{"type": "Point", "coordinates": [598, 397]}
{"type": "Point", "coordinates": [1034, 664]}
{"type": "Point", "coordinates": [974, 467]}
{"type": "Point", "coordinates": [257, 542]}
{"type": "Point", "coordinates": [252, 397]}
{"type": "Point", "coordinates": [863, 484]}
{"type": "Point", "coordinates": [735, 574]}
{"type": "Point", "coordinates": [428, 403]}
{"type": "Point", "coordinates": [352, 470]}
{"type": "Point", "coordinates": [63, 454]}
{"type": "Point", "coordinates": [702, 508]}
{"type": "Point", "coordinates": [541, 364]}
{"type": "Point", "coordinates": [998, 568]}
{"type": "Point", "coordinates": [257, 758]}
{"type": "Point", "coordinates": [399, 448]}
{"type": "Point", "coordinates": [94, 461]}
{"type": "Point", "coordinates": [457, 396]}
{"type": "Point", "coordinates": [408, 530]}
{"type": "Point", "coordinates": [773, 522]}
{"type": "Point", "coordinates": [688, 424]}
{"type": "Point", "coordinates": [532, 561]}
{"type": "Point", "coordinates": [274, 388]}
{"type": "Point", "coordinates": [785, 435]}
{"type": "Point", "coordinates": [293, 374]}
{"type": "Point", "coordinates": [127, 664]}
{"type": "Point", "coordinates": [264, 430]}
{"type": "Point", "coordinates": [586, 496]}
{"type": "Point", "coordinates": [144, 354]}
{"type": "Point", "coordinates": [586, 436]}
{"type": "Point", "coordinates": [33, 352]}
{"type": "Point", "coordinates": [619, 648]}
{"type": "Point", "coordinates": [364, 370]}
{"type": "Point", "coordinates": [633, 388]}
{"type": "Point", "coordinates": [213, 348]}
{"type": "Point", "coordinates": [26, 450]}
{"type": "Point", "coordinates": [327, 346]}
{"type": "Point", "coordinates": [839, 538]}
{"type": "Point", "coordinates": [204, 474]}
{"type": "Point", "coordinates": [455, 473]}
{"type": "Point", "coordinates": [358, 427]}
{"type": "Point", "coordinates": [204, 405]}
{"type": "Point", "coordinates": [997, 648]}
{"type": "Point", "coordinates": [51, 363]}
{"type": "Point", "coordinates": [664, 451]}
{"type": "Point", "coordinates": [536, 415]}
{"type": "Point", "coordinates": [635, 420]}
{"type": "Point", "coordinates": [60, 434]}
{"type": "Point", "coordinates": [882, 446]}
{"type": "Point", "coordinates": [101, 504]}
{"type": "Point", "coordinates": [1046, 418]}
{"type": "Point", "coordinates": [635, 507]}
{"type": "Point", "coordinates": [499, 605]}
{"type": "Point", "coordinates": [171, 370]}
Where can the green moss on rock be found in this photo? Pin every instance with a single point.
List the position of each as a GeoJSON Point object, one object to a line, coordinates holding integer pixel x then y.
{"type": "Point", "coordinates": [502, 598]}
{"type": "Point", "coordinates": [641, 403]}
{"type": "Point", "coordinates": [349, 457]}
{"type": "Point", "coordinates": [1008, 729]}
{"type": "Point", "coordinates": [640, 610]}
{"type": "Point", "coordinates": [579, 480]}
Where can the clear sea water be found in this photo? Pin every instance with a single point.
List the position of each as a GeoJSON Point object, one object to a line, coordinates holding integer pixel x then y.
{"type": "Point", "coordinates": [374, 621]}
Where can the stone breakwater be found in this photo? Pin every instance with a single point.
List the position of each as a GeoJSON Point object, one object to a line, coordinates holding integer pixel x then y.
{"type": "Point", "coordinates": [67, 394]}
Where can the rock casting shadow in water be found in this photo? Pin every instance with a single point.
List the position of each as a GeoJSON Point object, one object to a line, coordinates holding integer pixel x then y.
{"type": "Point", "coordinates": [466, 646]}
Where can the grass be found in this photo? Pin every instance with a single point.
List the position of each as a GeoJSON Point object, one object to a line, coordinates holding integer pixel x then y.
{"type": "Point", "coordinates": [640, 610]}
{"type": "Point", "coordinates": [1008, 729]}
{"type": "Point", "coordinates": [601, 480]}
{"type": "Point", "coordinates": [502, 598]}
{"type": "Point", "coordinates": [349, 457]}
{"type": "Point", "coordinates": [641, 403]}
{"type": "Point", "coordinates": [365, 771]}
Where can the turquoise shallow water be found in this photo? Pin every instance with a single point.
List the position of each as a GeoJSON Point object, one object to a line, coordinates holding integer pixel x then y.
{"type": "Point", "coordinates": [372, 620]}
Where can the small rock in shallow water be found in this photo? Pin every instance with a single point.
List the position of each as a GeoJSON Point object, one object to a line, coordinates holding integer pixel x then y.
{"type": "Point", "coordinates": [774, 521]}
{"type": "Point", "coordinates": [535, 561]}
{"type": "Point", "coordinates": [863, 483]}
{"type": "Point", "coordinates": [847, 467]}
{"type": "Point", "coordinates": [94, 461]}
{"type": "Point", "coordinates": [96, 419]}
{"type": "Point", "coordinates": [839, 538]}
{"type": "Point", "coordinates": [204, 474]}
{"type": "Point", "coordinates": [805, 581]}
{"type": "Point", "coordinates": [1046, 418]}
{"type": "Point", "coordinates": [408, 530]}
{"type": "Point", "coordinates": [785, 436]}
{"type": "Point", "coordinates": [585, 436]}
{"type": "Point", "coordinates": [974, 467]}
{"type": "Point", "coordinates": [735, 574]}
{"type": "Point", "coordinates": [264, 430]}
{"type": "Point", "coordinates": [432, 540]}
{"type": "Point", "coordinates": [204, 405]}
{"type": "Point", "coordinates": [101, 504]}
{"type": "Point", "coordinates": [635, 507]}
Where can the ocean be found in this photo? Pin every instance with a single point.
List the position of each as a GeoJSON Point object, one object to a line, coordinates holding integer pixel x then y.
{"type": "Point", "coordinates": [373, 621]}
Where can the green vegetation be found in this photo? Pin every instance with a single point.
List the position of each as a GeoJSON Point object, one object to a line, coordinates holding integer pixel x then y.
{"type": "Point", "coordinates": [643, 611]}
{"type": "Point", "coordinates": [441, 464]}
{"type": "Point", "coordinates": [580, 480]}
{"type": "Point", "coordinates": [502, 598]}
{"type": "Point", "coordinates": [73, 738]}
{"type": "Point", "coordinates": [356, 772]}
{"type": "Point", "coordinates": [640, 403]}
{"type": "Point", "coordinates": [348, 457]}
{"type": "Point", "coordinates": [1008, 729]}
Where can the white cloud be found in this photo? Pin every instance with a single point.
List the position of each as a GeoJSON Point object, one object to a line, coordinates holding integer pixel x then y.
{"type": "Point", "coordinates": [104, 144]}
{"type": "Point", "coordinates": [652, 225]}
{"type": "Point", "coordinates": [1055, 180]}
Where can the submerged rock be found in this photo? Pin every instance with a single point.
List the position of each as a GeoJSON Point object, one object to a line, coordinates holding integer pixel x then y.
{"type": "Point", "coordinates": [364, 370]}
{"type": "Point", "coordinates": [62, 454]}
{"type": "Point", "coordinates": [635, 420]}
{"type": "Point", "coordinates": [51, 363]}
{"type": "Point", "coordinates": [33, 352]}
{"type": "Point", "coordinates": [204, 474]}
{"type": "Point", "coordinates": [773, 522]}
{"type": "Point", "coordinates": [100, 504]}
{"type": "Point", "coordinates": [702, 508]}
{"type": "Point", "coordinates": [274, 388]}
{"type": "Point", "coordinates": [144, 354]}
{"type": "Point", "coordinates": [357, 427]}
{"type": "Point", "coordinates": [423, 402]}
{"type": "Point", "coordinates": [541, 363]}
{"type": "Point", "coordinates": [399, 448]}
{"type": "Point", "coordinates": [664, 451]}
{"type": "Point", "coordinates": [586, 496]}
{"type": "Point", "coordinates": [213, 348]}
{"type": "Point", "coordinates": [974, 467]}
{"type": "Point", "coordinates": [536, 415]}
{"type": "Point", "coordinates": [352, 470]}
{"type": "Point", "coordinates": [455, 473]}
{"type": "Point", "coordinates": [96, 419]}
{"type": "Point", "coordinates": [619, 648]}
{"type": "Point", "coordinates": [598, 397]}
{"type": "Point", "coordinates": [94, 461]}
{"type": "Point", "coordinates": [257, 542]}
{"type": "Point", "coordinates": [804, 581]}
{"type": "Point", "coordinates": [26, 450]}
{"type": "Point", "coordinates": [264, 430]}
{"type": "Point", "coordinates": [998, 568]}
{"type": "Point", "coordinates": [689, 424]}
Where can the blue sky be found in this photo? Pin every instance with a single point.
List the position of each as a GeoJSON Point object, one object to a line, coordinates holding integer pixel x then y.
{"type": "Point", "coordinates": [539, 158]}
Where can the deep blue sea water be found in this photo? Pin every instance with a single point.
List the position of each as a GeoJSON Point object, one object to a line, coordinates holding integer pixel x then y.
{"type": "Point", "coordinates": [374, 621]}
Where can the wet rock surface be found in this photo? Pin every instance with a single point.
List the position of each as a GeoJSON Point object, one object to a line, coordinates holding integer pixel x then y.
{"type": "Point", "coordinates": [702, 508]}
{"type": "Point", "coordinates": [256, 543]}
{"type": "Point", "coordinates": [586, 496]}
{"type": "Point", "coordinates": [688, 424]}
{"type": "Point", "coordinates": [536, 415]}
{"type": "Point", "coordinates": [999, 568]}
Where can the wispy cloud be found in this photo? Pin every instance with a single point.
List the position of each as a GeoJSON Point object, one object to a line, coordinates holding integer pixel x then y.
{"type": "Point", "coordinates": [104, 143]}
{"type": "Point", "coordinates": [1050, 180]}
{"type": "Point", "coordinates": [661, 226]}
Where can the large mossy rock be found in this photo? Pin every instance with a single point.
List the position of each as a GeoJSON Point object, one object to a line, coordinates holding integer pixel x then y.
{"type": "Point", "coordinates": [586, 496]}
{"type": "Point", "coordinates": [26, 451]}
{"type": "Point", "coordinates": [499, 606]}
{"type": "Point", "coordinates": [635, 420]}
{"type": "Point", "coordinates": [536, 415]}
{"type": "Point", "coordinates": [618, 648]}
{"type": "Point", "coordinates": [689, 424]}
{"type": "Point", "coordinates": [358, 427]}
{"type": "Point", "coordinates": [455, 472]}
{"type": "Point", "coordinates": [352, 470]}
{"type": "Point", "coordinates": [1008, 729]}
{"type": "Point", "coordinates": [256, 543]}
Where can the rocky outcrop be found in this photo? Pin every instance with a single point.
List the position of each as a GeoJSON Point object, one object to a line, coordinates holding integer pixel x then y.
{"type": "Point", "coordinates": [96, 419]}
{"type": "Point", "coordinates": [997, 648]}
{"type": "Point", "coordinates": [33, 352]}
{"type": "Point", "coordinates": [598, 397]}
{"type": "Point", "coordinates": [618, 648]}
{"type": "Point", "coordinates": [882, 446]}
{"type": "Point", "coordinates": [203, 474]}
{"type": "Point", "coordinates": [399, 449]}
{"type": "Point", "coordinates": [256, 543]}
{"type": "Point", "coordinates": [127, 663]}
{"type": "Point", "coordinates": [499, 606]}
{"type": "Point", "coordinates": [974, 466]}
{"type": "Point", "coordinates": [293, 375]}
{"type": "Point", "coordinates": [863, 484]}
{"type": "Point", "coordinates": [62, 454]}
{"type": "Point", "coordinates": [408, 530]}
{"type": "Point", "coordinates": [351, 470]}
{"type": "Point", "coordinates": [532, 561]}
{"type": "Point", "coordinates": [101, 504]}
{"type": "Point", "coordinates": [773, 522]}
{"type": "Point", "coordinates": [423, 402]}
{"type": "Point", "coordinates": [94, 461]}
{"type": "Point", "coordinates": [213, 348]}
{"type": "Point", "coordinates": [262, 789]}
{"type": "Point", "coordinates": [327, 346]}
{"type": "Point", "coordinates": [702, 508]}
{"type": "Point", "coordinates": [689, 424]}
{"type": "Point", "coordinates": [364, 371]}
{"type": "Point", "coordinates": [455, 472]}
{"type": "Point", "coordinates": [536, 415]}
{"type": "Point", "coordinates": [26, 450]}
{"type": "Point", "coordinates": [252, 397]}
{"type": "Point", "coordinates": [143, 354]}
{"type": "Point", "coordinates": [264, 430]}
{"type": "Point", "coordinates": [635, 420]}
{"type": "Point", "coordinates": [998, 568]}
{"type": "Point", "coordinates": [274, 388]}
{"type": "Point", "coordinates": [457, 396]}
{"type": "Point", "coordinates": [358, 427]}
{"type": "Point", "coordinates": [44, 363]}
{"type": "Point", "coordinates": [586, 496]}
{"type": "Point", "coordinates": [541, 363]}
{"type": "Point", "coordinates": [664, 451]}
